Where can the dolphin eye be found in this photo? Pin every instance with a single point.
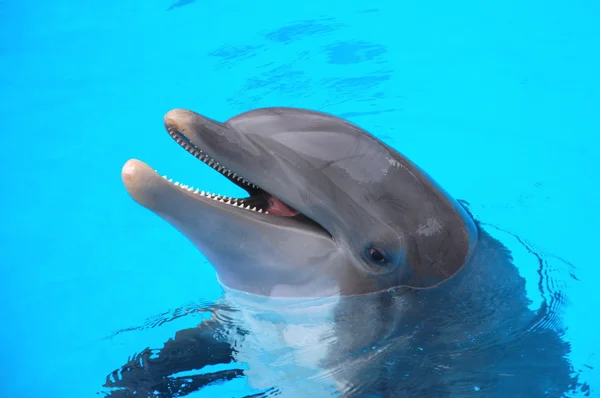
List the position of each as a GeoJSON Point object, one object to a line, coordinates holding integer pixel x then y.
{"type": "Point", "coordinates": [376, 255]}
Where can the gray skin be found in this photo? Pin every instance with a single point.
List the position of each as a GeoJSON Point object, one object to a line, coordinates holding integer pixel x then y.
{"type": "Point", "coordinates": [472, 336]}
{"type": "Point", "coordinates": [378, 220]}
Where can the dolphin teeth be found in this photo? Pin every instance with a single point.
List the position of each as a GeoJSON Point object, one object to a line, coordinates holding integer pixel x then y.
{"type": "Point", "coordinates": [205, 158]}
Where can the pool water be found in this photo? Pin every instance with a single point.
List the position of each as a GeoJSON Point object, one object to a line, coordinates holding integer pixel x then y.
{"type": "Point", "coordinates": [498, 102]}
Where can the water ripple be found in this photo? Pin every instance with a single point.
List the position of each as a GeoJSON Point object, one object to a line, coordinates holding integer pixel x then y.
{"type": "Point", "coordinates": [552, 284]}
{"type": "Point", "coordinates": [476, 334]}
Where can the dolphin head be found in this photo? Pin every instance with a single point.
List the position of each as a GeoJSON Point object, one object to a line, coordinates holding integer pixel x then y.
{"type": "Point", "coordinates": [330, 209]}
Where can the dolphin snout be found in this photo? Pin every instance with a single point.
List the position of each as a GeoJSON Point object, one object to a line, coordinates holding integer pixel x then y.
{"type": "Point", "coordinates": [140, 180]}
{"type": "Point", "coordinates": [130, 171]}
{"type": "Point", "coordinates": [180, 119]}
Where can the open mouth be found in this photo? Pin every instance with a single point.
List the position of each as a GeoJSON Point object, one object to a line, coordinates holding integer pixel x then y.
{"type": "Point", "coordinates": [257, 200]}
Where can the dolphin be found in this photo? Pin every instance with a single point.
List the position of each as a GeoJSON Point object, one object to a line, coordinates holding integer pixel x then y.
{"type": "Point", "coordinates": [330, 210]}
{"type": "Point", "coordinates": [347, 272]}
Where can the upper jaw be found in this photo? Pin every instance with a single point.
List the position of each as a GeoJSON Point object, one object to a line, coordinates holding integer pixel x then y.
{"type": "Point", "coordinates": [227, 151]}
{"type": "Point", "coordinates": [185, 127]}
{"type": "Point", "coordinates": [195, 132]}
{"type": "Point", "coordinates": [226, 145]}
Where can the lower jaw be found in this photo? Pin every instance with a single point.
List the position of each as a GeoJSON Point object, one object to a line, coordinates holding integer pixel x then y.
{"type": "Point", "coordinates": [258, 200]}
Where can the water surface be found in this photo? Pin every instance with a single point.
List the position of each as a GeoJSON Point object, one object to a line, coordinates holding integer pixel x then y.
{"type": "Point", "coordinates": [496, 101]}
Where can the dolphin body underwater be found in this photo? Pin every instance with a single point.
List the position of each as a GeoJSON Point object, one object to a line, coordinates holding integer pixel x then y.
{"type": "Point", "coordinates": [347, 270]}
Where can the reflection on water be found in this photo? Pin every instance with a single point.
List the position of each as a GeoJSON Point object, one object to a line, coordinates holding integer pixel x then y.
{"type": "Point", "coordinates": [476, 335]}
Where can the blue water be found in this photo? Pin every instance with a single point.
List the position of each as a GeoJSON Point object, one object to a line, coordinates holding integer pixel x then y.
{"type": "Point", "coordinates": [497, 101]}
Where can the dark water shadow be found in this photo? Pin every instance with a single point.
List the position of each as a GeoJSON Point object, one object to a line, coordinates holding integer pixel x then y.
{"type": "Point", "coordinates": [180, 3]}
{"type": "Point", "coordinates": [301, 30]}
{"type": "Point", "coordinates": [475, 335]}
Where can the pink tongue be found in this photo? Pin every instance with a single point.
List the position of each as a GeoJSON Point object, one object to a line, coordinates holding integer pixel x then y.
{"type": "Point", "coordinates": [277, 208]}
